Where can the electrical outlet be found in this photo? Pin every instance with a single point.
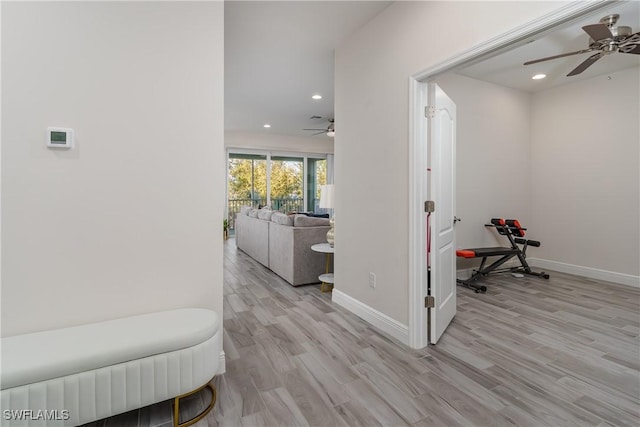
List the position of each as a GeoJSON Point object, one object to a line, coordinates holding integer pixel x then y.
{"type": "Point", "coordinates": [372, 280]}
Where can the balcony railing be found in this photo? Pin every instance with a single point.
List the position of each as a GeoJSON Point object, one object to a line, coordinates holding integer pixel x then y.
{"type": "Point", "coordinates": [282, 205]}
{"type": "Point", "coordinates": [287, 205]}
{"type": "Point", "coordinates": [236, 204]}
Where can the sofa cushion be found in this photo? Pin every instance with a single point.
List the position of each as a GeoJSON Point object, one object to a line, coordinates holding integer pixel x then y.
{"type": "Point", "coordinates": [244, 210]}
{"type": "Point", "coordinates": [282, 219]}
{"type": "Point", "coordinates": [308, 221]}
{"type": "Point", "coordinates": [253, 213]}
{"type": "Point", "coordinates": [265, 214]}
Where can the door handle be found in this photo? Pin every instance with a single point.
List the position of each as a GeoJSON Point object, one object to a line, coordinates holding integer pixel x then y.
{"type": "Point", "coordinates": [456, 219]}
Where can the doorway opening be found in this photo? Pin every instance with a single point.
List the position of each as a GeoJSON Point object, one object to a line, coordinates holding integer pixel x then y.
{"type": "Point", "coordinates": [419, 315]}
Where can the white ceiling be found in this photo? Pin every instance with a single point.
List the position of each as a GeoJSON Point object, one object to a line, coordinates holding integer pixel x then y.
{"type": "Point", "coordinates": [507, 69]}
{"type": "Point", "coordinates": [279, 53]}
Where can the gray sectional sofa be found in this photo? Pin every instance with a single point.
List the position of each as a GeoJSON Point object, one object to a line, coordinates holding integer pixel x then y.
{"type": "Point", "coordinates": [283, 243]}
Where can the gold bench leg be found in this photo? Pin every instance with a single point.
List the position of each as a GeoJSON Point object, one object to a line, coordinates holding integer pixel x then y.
{"type": "Point", "coordinates": [176, 405]}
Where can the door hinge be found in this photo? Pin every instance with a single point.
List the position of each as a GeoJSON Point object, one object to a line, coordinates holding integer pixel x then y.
{"type": "Point", "coordinates": [429, 112]}
{"type": "Point", "coordinates": [429, 206]}
{"type": "Point", "coordinates": [429, 301]}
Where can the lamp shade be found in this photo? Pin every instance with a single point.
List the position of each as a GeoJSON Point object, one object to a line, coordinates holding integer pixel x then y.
{"type": "Point", "coordinates": [326, 196]}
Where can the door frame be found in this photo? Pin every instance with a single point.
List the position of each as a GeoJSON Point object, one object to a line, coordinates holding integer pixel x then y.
{"type": "Point", "coordinates": [563, 16]}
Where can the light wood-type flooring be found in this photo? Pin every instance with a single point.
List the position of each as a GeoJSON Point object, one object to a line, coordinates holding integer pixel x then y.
{"type": "Point", "coordinates": [528, 352]}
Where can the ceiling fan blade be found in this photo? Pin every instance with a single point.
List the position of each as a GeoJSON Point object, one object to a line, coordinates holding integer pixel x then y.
{"type": "Point", "coordinates": [598, 31]}
{"type": "Point", "coordinates": [633, 38]}
{"type": "Point", "coordinates": [318, 133]}
{"type": "Point", "coordinates": [631, 44]}
{"type": "Point", "coordinates": [549, 58]}
{"type": "Point", "coordinates": [630, 48]}
{"type": "Point", "coordinates": [586, 64]}
{"type": "Point", "coordinates": [315, 129]}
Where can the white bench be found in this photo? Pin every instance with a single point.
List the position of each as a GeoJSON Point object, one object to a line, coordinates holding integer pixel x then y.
{"type": "Point", "coordinates": [72, 376]}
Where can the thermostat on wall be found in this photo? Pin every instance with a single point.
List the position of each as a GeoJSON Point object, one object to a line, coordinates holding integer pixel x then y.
{"type": "Point", "coordinates": [59, 137]}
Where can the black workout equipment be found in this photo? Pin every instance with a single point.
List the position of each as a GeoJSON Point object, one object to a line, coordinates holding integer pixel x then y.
{"type": "Point", "coordinates": [512, 229]}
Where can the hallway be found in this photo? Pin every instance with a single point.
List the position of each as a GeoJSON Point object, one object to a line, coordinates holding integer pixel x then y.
{"type": "Point", "coordinates": [529, 352]}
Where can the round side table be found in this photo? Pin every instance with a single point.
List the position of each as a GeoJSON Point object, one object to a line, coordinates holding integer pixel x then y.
{"type": "Point", "coordinates": [326, 278]}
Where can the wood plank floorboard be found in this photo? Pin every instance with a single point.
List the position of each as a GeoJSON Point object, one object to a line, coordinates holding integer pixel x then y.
{"type": "Point", "coordinates": [528, 352]}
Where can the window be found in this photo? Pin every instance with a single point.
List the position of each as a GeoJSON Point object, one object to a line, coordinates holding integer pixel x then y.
{"type": "Point", "coordinates": [287, 183]}
{"type": "Point", "coordinates": [246, 183]}
{"type": "Point", "coordinates": [316, 176]}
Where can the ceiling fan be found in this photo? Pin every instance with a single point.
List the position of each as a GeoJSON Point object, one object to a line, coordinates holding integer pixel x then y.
{"type": "Point", "coordinates": [605, 38]}
{"type": "Point", "coordinates": [330, 130]}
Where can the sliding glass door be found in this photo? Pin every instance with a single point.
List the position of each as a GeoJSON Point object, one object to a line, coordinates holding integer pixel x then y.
{"type": "Point", "coordinates": [316, 176]}
{"type": "Point", "coordinates": [246, 183]}
{"type": "Point", "coordinates": [286, 183]}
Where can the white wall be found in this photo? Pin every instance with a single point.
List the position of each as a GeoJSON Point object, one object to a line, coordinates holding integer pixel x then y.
{"type": "Point", "coordinates": [276, 142]}
{"type": "Point", "coordinates": [128, 221]}
{"type": "Point", "coordinates": [493, 158]}
{"type": "Point", "coordinates": [372, 104]}
{"type": "Point", "coordinates": [585, 173]}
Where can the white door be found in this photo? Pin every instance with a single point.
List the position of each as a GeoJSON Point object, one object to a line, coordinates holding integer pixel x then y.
{"type": "Point", "coordinates": [442, 190]}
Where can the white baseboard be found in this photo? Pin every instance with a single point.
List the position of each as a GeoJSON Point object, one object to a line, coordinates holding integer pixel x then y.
{"type": "Point", "coordinates": [592, 273]}
{"type": "Point", "coordinates": [222, 365]}
{"type": "Point", "coordinates": [380, 320]}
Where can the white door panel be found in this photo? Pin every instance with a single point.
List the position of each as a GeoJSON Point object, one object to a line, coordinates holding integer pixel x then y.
{"type": "Point", "coordinates": [442, 149]}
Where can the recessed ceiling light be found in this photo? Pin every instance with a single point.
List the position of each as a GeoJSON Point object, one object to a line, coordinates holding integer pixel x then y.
{"type": "Point", "coordinates": [267, 125]}
{"type": "Point", "coordinates": [317, 97]}
{"type": "Point", "coordinates": [539, 76]}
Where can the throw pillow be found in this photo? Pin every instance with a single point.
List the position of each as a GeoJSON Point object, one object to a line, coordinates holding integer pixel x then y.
{"type": "Point", "coordinates": [244, 210]}
{"type": "Point", "coordinates": [282, 219]}
{"type": "Point", "coordinates": [309, 221]}
{"type": "Point", "coordinates": [311, 214]}
{"type": "Point", "coordinates": [253, 213]}
{"type": "Point", "coordinates": [265, 214]}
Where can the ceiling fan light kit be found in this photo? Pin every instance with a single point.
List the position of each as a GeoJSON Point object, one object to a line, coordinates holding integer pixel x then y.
{"type": "Point", "coordinates": [604, 38]}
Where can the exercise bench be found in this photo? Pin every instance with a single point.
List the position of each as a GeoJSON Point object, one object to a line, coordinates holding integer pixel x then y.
{"type": "Point", "coordinates": [515, 233]}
